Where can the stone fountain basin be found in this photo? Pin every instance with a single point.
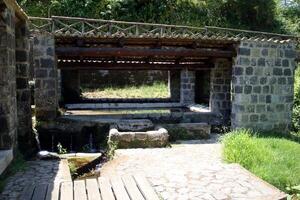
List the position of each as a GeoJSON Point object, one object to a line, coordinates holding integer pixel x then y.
{"type": "Point", "coordinates": [158, 137]}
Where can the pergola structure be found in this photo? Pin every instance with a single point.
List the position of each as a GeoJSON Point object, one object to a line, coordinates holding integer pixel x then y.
{"type": "Point", "coordinates": [249, 70]}
{"type": "Point", "coordinates": [104, 44]}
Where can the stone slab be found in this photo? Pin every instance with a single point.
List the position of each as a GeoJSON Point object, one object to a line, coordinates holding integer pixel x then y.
{"type": "Point", "coordinates": [6, 156]}
{"type": "Point", "coordinates": [156, 138]}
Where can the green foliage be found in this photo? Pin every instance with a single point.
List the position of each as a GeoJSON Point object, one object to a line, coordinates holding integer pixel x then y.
{"type": "Point", "coordinates": [296, 106]}
{"type": "Point", "coordinates": [290, 17]}
{"type": "Point", "coordinates": [112, 147]}
{"type": "Point", "coordinates": [156, 90]}
{"type": "Point", "coordinates": [61, 149]}
{"type": "Point", "coordinates": [73, 169]}
{"type": "Point", "coordinates": [276, 160]}
{"type": "Point", "coordinates": [254, 14]}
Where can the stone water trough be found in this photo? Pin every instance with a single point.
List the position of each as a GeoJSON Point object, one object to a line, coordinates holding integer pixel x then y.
{"type": "Point", "coordinates": [138, 134]}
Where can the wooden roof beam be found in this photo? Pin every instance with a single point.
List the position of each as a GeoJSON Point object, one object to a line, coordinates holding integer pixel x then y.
{"type": "Point", "coordinates": [131, 52]}
{"type": "Point", "coordinates": [130, 66]}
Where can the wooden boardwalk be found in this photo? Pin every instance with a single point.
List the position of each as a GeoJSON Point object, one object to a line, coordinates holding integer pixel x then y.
{"type": "Point", "coordinates": [127, 187]}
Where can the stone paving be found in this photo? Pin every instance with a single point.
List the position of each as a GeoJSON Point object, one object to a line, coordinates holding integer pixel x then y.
{"type": "Point", "coordinates": [192, 170]}
{"type": "Point", "coordinates": [38, 171]}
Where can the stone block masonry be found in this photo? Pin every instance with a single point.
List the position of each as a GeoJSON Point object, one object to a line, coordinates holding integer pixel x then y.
{"type": "Point", "coordinates": [262, 86]}
{"type": "Point", "coordinates": [220, 89]}
{"type": "Point", "coordinates": [187, 87]}
{"type": "Point", "coordinates": [25, 135]}
{"type": "Point", "coordinates": [46, 82]}
{"type": "Point", "coordinates": [8, 101]}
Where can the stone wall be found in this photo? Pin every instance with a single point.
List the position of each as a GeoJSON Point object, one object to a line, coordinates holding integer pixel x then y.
{"type": "Point", "coordinates": [187, 87]}
{"type": "Point", "coordinates": [220, 89]}
{"type": "Point", "coordinates": [262, 86]}
{"type": "Point", "coordinates": [8, 101]}
{"type": "Point", "coordinates": [46, 83]}
{"type": "Point", "coordinates": [25, 135]}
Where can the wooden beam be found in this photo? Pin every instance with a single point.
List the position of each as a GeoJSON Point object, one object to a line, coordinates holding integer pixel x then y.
{"type": "Point", "coordinates": [131, 52]}
{"type": "Point", "coordinates": [129, 66]}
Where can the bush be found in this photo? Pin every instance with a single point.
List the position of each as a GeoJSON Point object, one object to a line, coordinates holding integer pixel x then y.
{"type": "Point", "coordinates": [296, 106]}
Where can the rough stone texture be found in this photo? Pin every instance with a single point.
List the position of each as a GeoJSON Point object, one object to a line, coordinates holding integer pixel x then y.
{"type": "Point", "coordinates": [220, 89]}
{"type": "Point", "coordinates": [262, 86]}
{"type": "Point", "coordinates": [187, 87]}
{"type": "Point", "coordinates": [37, 172]}
{"type": "Point", "coordinates": [46, 101]}
{"type": "Point", "coordinates": [25, 135]}
{"type": "Point", "coordinates": [70, 80]}
{"type": "Point", "coordinates": [194, 170]}
{"type": "Point", "coordinates": [8, 101]}
{"type": "Point", "coordinates": [157, 138]}
{"type": "Point", "coordinates": [174, 85]}
{"type": "Point", "coordinates": [134, 125]}
{"type": "Point", "coordinates": [195, 130]}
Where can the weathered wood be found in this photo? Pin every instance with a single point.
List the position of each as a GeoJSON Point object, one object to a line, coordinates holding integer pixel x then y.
{"type": "Point", "coordinates": [66, 190]}
{"type": "Point", "coordinates": [127, 52]}
{"type": "Point", "coordinates": [92, 188]}
{"type": "Point", "coordinates": [79, 190]}
{"type": "Point", "coordinates": [27, 192]}
{"type": "Point", "coordinates": [105, 189]}
{"type": "Point", "coordinates": [40, 192]}
{"type": "Point", "coordinates": [130, 66]}
{"type": "Point", "coordinates": [132, 189]}
{"type": "Point", "coordinates": [145, 187]}
{"type": "Point", "coordinates": [119, 189]}
{"type": "Point", "coordinates": [52, 191]}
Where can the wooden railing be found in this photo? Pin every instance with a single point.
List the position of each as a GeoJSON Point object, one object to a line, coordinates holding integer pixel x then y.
{"type": "Point", "coordinates": [82, 27]}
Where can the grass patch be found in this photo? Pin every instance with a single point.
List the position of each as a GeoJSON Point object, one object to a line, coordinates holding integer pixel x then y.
{"type": "Point", "coordinates": [275, 160]}
{"type": "Point", "coordinates": [156, 90]}
{"type": "Point", "coordinates": [18, 164]}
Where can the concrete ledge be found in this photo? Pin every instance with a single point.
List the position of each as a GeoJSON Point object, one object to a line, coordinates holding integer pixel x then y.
{"type": "Point", "coordinates": [6, 156]}
{"type": "Point", "coordinates": [121, 105]}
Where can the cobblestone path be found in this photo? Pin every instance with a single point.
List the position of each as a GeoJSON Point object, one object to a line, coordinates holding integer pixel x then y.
{"type": "Point", "coordinates": [38, 171]}
{"type": "Point", "coordinates": [191, 171]}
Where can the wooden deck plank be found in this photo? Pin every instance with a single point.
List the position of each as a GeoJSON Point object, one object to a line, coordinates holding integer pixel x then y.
{"type": "Point", "coordinates": [40, 192]}
{"type": "Point", "coordinates": [119, 189]}
{"type": "Point", "coordinates": [79, 190]}
{"type": "Point", "coordinates": [66, 190]}
{"type": "Point", "coordinates": [53, 191]}
{"type": "Point", "coordinates": [145, 187]}
{"type": "Point", "coordinates": [132, 189]}
{"type": "Point", "coordinates": [92, 188]}
{"type": "Point", "coordinates": [105, 189]}
{"type": "Point", "coordinates": [27, 192]}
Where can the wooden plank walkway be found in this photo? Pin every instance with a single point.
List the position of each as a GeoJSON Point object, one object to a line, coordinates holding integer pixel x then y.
{"type": "Point", "coordinates": [127, 187]}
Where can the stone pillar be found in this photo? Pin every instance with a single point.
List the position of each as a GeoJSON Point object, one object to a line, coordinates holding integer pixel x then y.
{"type": "Point", "coordinates": [8, 101]}
{"type": "Point", "coordinates": [45, 71]}
{"type": "Point", "coordinates": [187, 87]}
{"type": "Point", "coordinates": [220, 89]}
{"type": "Point", "coordinates": [262, 86]}
{"type": "Point", "coordinates": [70, 86]}
{"type": "Point", "coordinates": [174, 85]}
{"type": "Point", "coordinates": [25, 135]}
